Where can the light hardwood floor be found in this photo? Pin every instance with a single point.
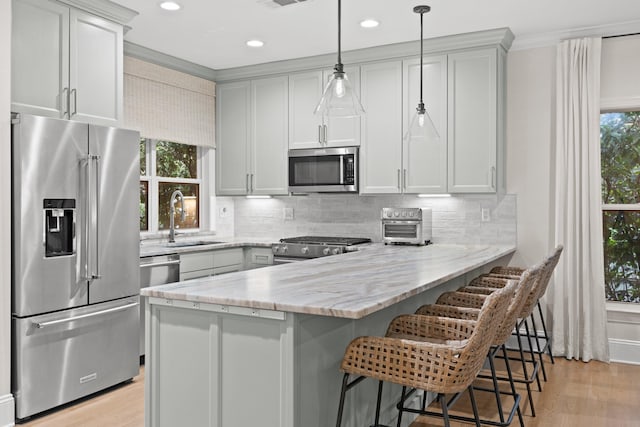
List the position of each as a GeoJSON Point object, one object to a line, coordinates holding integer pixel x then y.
{"type": "Point", "coordinates": [590, 394]}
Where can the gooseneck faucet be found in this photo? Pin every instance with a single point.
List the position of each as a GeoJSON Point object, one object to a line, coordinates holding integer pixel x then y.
{"type": "Point", "coordinates": [172, 213]}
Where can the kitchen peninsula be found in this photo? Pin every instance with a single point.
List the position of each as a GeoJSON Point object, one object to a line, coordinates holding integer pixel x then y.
{"type": "Point", "coordinates": [264, 346]}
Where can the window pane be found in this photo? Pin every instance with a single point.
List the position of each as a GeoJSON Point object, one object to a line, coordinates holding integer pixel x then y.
{"type": "Point", "coordinates": [191, 205]}
{"type": "Point", "coordinates": [620, 148]}
{"type": "Point", "coordinates": [175, 160]}
{"type": "Point", "coordinates": [144, 206]}
{"type": "Point", "coordinates": [622, 255]}
{"type": "Point", "coordinates": [143, 156]}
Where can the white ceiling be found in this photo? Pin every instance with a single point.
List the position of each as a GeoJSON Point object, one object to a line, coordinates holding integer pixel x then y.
{"type": "Point", "coordinates": [213, 33]}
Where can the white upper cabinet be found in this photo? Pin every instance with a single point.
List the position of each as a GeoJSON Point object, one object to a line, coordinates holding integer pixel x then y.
{"type": "Point", "coordinates": [425, 160]}
{"type": "Point", "coordinates": [269, 127]}
{"type": "Point", "coordinates": [474, 120]}
{"type": "Point", "coordinates": [251, 127]}
{"type": "Point", "coordinates": [66, 63]}
{"type": "Point", "coordinates": [96, 64]}
{"type": "Point", "coordinates": [381, 148]}
{"type": "Point", "coordinates": [233, 102]}
{"type": "Point", "coordinates": [307, 130]}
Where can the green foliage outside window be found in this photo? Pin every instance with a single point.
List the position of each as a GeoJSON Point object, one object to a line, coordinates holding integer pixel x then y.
{"type": "Point", "coordinates": [620, 157]}
{"type": "Point", "coordinates": [175, 160]}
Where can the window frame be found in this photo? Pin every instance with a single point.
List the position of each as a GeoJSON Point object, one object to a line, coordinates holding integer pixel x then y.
{"type": "Point", "coordinates": [204, 176]}
{"type": "Point", "coordinates": [614, 207]}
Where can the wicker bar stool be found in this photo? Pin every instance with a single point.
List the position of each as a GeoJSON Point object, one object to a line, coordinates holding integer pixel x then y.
{"type": "Point", "coordinates": [465, 305]}
{"type": "Point", "coordinates": [551, 262]}
{"type": "Point", "coordinates": [448, 364]}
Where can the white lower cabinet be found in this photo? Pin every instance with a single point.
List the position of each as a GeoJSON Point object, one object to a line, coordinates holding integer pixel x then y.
{"type": "Point", "coordinates": [475, 108]}
{"type": "Point", "coordinates": [251, 128]}
{"type": "Point", "coordinates": [210, 263]}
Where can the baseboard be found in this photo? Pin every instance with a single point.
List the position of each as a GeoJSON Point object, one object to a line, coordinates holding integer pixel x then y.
{"type": "Point", "coordinates": [624, 351]}
{"type": "Point", "coordinates": [7, 410]}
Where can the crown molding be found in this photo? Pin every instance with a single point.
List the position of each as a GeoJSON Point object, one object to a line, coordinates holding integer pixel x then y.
{"type": "Point", "coordinates": [162, 59]}
{"type": "Point", "coordinates": [104, 8]}
{"type": "Point", "coordinates": [552, 38]}
{"type": "Point", "coordinates": [498, 37]}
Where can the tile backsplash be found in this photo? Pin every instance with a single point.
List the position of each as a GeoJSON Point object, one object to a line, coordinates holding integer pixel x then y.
{"type": "Point", "coordinates": [457, 219]}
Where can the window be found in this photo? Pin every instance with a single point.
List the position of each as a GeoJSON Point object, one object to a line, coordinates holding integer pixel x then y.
{"type": "Point", "coordinates": [620, 156]}
{"type": "Point", "coordinates": [164, 168]}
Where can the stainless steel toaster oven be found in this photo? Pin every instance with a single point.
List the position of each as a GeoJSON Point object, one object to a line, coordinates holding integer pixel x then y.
{"type": "Point", "coordinates": [406, 226]}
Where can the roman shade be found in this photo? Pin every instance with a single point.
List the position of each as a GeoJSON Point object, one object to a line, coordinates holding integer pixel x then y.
{"type": "Point", "coordinates": [168, 105]}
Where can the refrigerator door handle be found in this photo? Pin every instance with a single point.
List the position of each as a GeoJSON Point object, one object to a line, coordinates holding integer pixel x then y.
{"type": "Point", "coordinates": [87, 219]}
{"type": "Point", "coordinates": [41, 325]}
{"type": "Point", "coordinates": [95, 274]}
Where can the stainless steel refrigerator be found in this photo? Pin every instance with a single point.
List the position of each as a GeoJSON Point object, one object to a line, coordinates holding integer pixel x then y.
{"type": "Point", "coordinates": [75, 274]}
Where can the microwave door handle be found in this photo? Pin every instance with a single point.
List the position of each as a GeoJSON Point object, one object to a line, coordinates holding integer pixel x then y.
{"type": "Point", "coordinates": [342, 159]}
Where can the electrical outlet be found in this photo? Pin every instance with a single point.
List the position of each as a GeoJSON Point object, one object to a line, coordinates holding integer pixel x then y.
{"type": "Point", "coordinates": [486, 214]}
{"type": "Point", "coordinates": [287, 213]}
{"type": "Point", "coordinates": [222, 212]}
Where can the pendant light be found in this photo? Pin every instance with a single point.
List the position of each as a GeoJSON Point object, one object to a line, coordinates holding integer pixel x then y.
{"type": "Point", "coordinates": [339, 99]}
{"type": "Point", "coordinates": [421, 125]}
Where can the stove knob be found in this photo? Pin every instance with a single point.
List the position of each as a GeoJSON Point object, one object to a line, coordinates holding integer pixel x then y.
{"type": "Point", "coordinates": [397, 214]}
{"type": "Point", "coordinates": [305, 250]}
{"type": "Point", "coordinates": [284, 249]}
{"type": "Point", "coordinates": [411, 214]}
{"type": "Point", "coordinates": [336, 251]}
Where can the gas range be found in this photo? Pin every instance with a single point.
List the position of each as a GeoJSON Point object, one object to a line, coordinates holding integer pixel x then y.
{"type": "Point", "coordinates": [305, 247]}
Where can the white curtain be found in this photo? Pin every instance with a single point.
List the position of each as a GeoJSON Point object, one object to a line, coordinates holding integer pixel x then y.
{"type": "Point", "coordinates": [577, 295]}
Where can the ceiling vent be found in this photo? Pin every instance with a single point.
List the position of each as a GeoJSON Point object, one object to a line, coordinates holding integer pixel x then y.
{"type": "Point", "coordinates": [287, 2]}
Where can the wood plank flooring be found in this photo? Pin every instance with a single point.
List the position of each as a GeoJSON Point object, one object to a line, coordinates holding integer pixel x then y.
{"type": "Point", "coordinates": [590, 394]}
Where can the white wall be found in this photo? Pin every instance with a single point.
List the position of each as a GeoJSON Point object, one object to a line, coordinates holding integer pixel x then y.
{"type": "Point", "coordinates": [6, 400]}
{"type": "Point", "coordinates": [530, 150]}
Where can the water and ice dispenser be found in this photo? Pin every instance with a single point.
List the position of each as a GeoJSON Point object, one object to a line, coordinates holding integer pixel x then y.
{"type": "Point", "coordinates": [59, 227]}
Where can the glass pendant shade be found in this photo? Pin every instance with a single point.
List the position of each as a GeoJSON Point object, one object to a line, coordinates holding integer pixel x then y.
{"type": "Point", "coordinates": [421, 127]}
{"type": "Point", "coordinates": [339, 99]}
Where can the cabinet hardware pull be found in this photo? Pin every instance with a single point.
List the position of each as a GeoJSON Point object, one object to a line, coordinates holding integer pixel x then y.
{"type": "Point", "coordinates": [41, 325]}
{"type": "Point", "coordinates": [399, 185]}
{"type": "Point", "coordinates": [320, 134]}
{"type": "Point", "coordinates": [251, 182]}
{"type": "Point", "coordinates": [160, 264]}
{"type": "Point", "coordinates": [404, 178]}
{"type": "Point", "coordinates": [75, 103]}
{"type": "Point", "coordinates": [64, 102]}
{"type": "Point", "coordinates": [493, 177]}
{"type": "Point", "coordinates": [247, 184]}
{"type": "Point", "coordinates": [325, 133]}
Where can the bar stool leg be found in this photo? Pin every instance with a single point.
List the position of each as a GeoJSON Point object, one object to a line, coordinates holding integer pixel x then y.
{"type": "Point", "coordinates": [511, 383]}
{"type": "Point", "coordinates": [377, 419]}
{"type": "Point", "coordinates": [546, 335]}
{"type": "Point", "coordinates": [531, 352]}
{"type": "Point", "coordinates": [445, 410]}
{"type": "Point", "coordinates": [496, 387]}
{"type": "Point", "coordinates": [535, 331]}
{"type": "Point", "coordinates": [524, 369]}
{"type": "Point", "coordinates": [401, 405]}
{"type": "Point", "coordinates": [345, 379]}
{"type": "Point", "coordinates": [476, 416]}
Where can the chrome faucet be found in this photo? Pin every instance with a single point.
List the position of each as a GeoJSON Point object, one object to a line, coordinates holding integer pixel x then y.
{"type": "Point", "coordinates": [172, 213]}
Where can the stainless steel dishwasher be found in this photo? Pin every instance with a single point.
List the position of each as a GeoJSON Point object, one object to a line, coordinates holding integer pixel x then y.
{"type": "Point", "coordinates": [154, 271]}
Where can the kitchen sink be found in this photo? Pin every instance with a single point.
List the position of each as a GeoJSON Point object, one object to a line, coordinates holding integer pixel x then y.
{"type": "Point", "coordinates": [192, 243]}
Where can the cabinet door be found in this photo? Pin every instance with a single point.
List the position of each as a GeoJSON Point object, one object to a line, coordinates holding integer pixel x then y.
{"type": "Point", "coordinates": [305, 90]}
{"type": "Point", "coordinates": [425, 159]}
{"type": "Point", "coordinates": [232, 138]}
{"type": "Point", "coordinates": [269, 128]}
{"type": "Point", "coordinates": [40, 58]}
{"type": "Point", "coordinates": [343, 131]}
{"type": "Point", "coordinates": [472, 105]}
{"type": "Point", "coordinates": [381, 148]}
{"type": "Point", "coordinates": [95, 64]}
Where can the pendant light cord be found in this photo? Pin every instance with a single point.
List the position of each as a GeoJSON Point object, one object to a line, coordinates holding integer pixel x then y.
{"type": "Point", "coordinates": [421, 54]}
{"type": "Point", "coordinates": [339, 31]}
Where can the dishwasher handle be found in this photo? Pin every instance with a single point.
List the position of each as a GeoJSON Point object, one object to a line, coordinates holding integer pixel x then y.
{"type": "Point", "coordinates": [41, 325]}
{"type": "Point", "coordinates": [161, 263]}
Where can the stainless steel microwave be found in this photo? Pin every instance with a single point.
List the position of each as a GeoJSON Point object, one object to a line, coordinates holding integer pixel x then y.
{"type": "Point", "coordinates": [323, 170]}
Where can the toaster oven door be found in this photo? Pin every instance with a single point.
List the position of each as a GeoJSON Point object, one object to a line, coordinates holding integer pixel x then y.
{"type": "Point", "coordinates": [401, 231]}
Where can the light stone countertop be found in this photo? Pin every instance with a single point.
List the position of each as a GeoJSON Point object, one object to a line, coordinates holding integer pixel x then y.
{"type": "Point", "coordinates": [156, 247]}
{"type": "Point", "coordinates": [350, 285]}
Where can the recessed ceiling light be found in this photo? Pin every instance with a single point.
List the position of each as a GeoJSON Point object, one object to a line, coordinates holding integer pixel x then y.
{"type": "Point", "coordinates": [369, 23]}
{"type": "Point", "coordinates": [255, 43]}
{"type": "Point", "coordinates": [170, 5]}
